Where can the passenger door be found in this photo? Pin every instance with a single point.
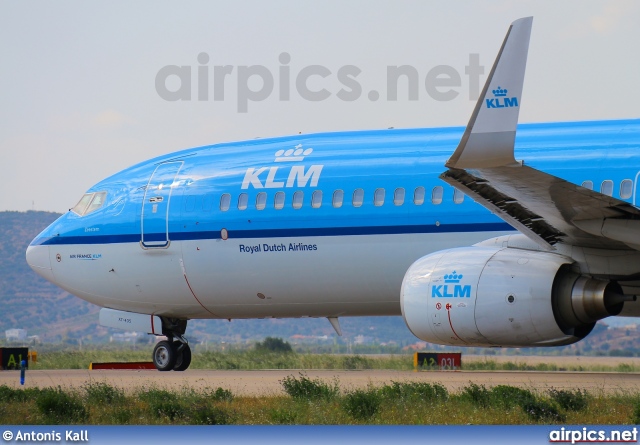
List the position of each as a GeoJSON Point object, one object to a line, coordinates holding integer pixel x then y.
{"type": "Point", "coordinates": [155, 206]}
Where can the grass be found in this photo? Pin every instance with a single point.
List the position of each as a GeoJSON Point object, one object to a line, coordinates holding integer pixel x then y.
{"type": "Point", "coordinates": [316, 402]}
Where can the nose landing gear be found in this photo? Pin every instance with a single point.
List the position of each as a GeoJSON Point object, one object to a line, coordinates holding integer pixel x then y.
{"type": "Point", "coordinates": [174, 353]}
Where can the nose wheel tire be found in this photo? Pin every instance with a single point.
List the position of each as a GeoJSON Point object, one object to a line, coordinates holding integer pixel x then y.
{"type": "Point", "coordinates": [165, 356]}
{"type": "Point", "coordinates": [183, 357]}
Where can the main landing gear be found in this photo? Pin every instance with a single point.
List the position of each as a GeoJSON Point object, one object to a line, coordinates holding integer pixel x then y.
{"type": "Point", "coordinates": [174, 353]}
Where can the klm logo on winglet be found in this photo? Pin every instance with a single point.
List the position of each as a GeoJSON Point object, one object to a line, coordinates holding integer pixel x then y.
{"type": "Point", "coordinates": [279, 177]}
{"type": "Point", "coordinates": [452, 287]}
{"type": "Point", "coordinates": [501, 100]}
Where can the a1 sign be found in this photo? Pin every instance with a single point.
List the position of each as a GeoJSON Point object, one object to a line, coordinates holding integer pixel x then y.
{"type": "Point", "coordinates": [11, 357]}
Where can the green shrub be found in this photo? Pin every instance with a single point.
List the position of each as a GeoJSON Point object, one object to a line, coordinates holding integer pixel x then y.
{"type": "Point", "coordinates": [304, 388]}
{"type": "Point", "coordinates": [8, 394]}
{"type": "Point", "coordinates": [625, 367]}
{"type": "Point", "coordinates": [122, 416]}
{"type": "Point", "coordinates": [414, 391]}
{"type": "Point", "coordinates": [476, 394]}
{"type": "Point", "coordinates": [511, 396]}
{"type": "Point", "coordinates": [510, 366]}
{"type": "Point", "coordinates": [201, 414]}
{"type": "Point", "coordinates": [357, 362]}
{"type": "Point", "coordinates": [102, 393]}
{"type": "Point", "coordinates": [222, 395]}
{"type": "Point", "coordinates": [161, 403]}
{"type": "Point", "coordinates": [570, 400]}
{"type": "Point", "coordinates": [59, 407]}
{"type": "Point", "coordinates": [362, 404]}
{"type": "Point", "coordinates": [283, 416]}
{"type": "Point", "coordinates": [546, 367]}
{"type": "Point", "coordinates": [635, 418]}
{"type": "Point", "coordinates": [271, 344]}
{"type": "Point", "coordinates": [542, 411]}
{"type": "Point", "coordinates": [485, 365]}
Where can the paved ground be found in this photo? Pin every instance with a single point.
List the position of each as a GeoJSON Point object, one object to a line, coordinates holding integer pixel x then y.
{"type": "Point", "coordinates": [253, 383]}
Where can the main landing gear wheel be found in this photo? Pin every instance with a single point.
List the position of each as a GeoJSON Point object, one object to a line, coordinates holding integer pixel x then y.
{"type": "Point", "coordinates": [165, 356]}
{"type": "Point", "coordinates": [183, 357]}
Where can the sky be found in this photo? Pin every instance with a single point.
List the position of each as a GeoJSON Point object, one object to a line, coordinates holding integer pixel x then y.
{"type": "Point", "coordinates": [90, 88]}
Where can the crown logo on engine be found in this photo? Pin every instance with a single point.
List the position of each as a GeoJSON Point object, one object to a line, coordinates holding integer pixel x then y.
{"type": "Point", "coordinates": [453, 277]}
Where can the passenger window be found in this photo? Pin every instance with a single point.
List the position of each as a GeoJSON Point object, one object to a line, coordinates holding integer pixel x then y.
{"type": "Point", "coordinates": [338, 197]}
{"type": "Point", "coordinates": [398, 196]}
{"type": "Point", "coordinates": [606, 188]}
{"type": "Point", "coordinates": [96, 202]}
{"type": "Point", "coordinates": [81, 206]}
{"type": "Point", "coordinates": [436, 194]}
{"type": "Point", "coordinates": [316, 199]}
{"type": "Point", "coordinates": [190, 203]}
{"type": "Point", "coordinates": [225, 202]}
{"type": "Point", "coordinates": [458, 196]}
{"type": "Point", "coordinates": [243, 199]}
{"type": "Point", "coordinates": [358, 198]}
{"type": "Point", "coordinates": [278, 201]}
{"type": "Point", "coordinates": [418, 196]}
{"type": "Point", "coordinates": [588, 185]}
{"type": "Point", "coordinates": [207, 203]}
{"type": "Point", "coordinates": [378, 197]}
{"type": "Point", "coordinates": [261, 201]}
{"type": "Point", "coordinates": [626, 188]}
{"type": "Point", "coordinates": [297, 199]}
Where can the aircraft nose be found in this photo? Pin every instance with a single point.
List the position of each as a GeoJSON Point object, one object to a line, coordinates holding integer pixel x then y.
{"type": "Point", "coordinates": [39, 260]}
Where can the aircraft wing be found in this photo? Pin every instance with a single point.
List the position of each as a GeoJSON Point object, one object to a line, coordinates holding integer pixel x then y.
{"type": "Point", "coordinates": [546, 208]}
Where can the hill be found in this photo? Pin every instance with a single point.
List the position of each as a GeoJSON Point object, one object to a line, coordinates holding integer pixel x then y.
{"type": "Point", "coordinates": [29, 302]}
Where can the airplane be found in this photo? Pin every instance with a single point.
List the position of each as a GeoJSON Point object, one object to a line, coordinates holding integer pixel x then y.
{"type": "Point", "coordinates": [440, 225]}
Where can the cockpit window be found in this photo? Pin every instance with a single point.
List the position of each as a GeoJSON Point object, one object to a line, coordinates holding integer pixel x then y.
{"type": "Point", "coordinates": [82, 205]}
{"type": "Point", "coordinates": [90, 202]}
{"type": "Point", "coordinates": [96, 202]}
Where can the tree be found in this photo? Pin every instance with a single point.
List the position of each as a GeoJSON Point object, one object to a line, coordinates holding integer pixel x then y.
{"type": "Point", "coordinates": [271, 344]}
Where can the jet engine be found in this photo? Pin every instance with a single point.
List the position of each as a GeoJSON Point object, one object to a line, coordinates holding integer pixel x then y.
{"type": "Point", "coordinates": [487, 296]}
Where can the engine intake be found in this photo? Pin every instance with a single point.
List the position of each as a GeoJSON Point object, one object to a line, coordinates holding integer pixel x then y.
{"type": "Point", "coordinates": [490, 296]}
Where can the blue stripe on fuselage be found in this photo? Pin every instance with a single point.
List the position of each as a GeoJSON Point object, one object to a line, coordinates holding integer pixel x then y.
{"type": "Point", "coordinates": [276, 233]}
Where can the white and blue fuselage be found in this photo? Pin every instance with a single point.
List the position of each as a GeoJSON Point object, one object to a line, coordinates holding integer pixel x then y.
{"type": "Point", "coordinates": [321, 225]}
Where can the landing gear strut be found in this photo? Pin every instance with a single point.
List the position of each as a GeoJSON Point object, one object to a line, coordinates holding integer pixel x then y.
{"type": "Point", "coordinates": [174, 353]}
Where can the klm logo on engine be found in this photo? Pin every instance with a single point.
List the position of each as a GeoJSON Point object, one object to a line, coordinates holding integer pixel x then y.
{"type": "Point", "coordinates": [501, 100]}
{"type": "Point", "coordinates": [278, 177]}
{"type": "Point", "coordinates": [452, 287]}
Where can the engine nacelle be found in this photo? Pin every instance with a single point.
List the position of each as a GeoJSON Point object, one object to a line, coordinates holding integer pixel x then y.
{"type": "Point", "coordinates": [487, 296]}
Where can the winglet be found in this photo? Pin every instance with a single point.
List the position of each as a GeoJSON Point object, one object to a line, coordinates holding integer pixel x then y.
{"type": "Point", "coordinates": [490, 135]}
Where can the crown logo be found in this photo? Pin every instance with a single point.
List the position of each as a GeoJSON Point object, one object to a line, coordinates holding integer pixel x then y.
{"type": "Point", "coordinates": [453, 277]}
{"type": "Point", "coordinates": [293, 154]}
{"type": "Point", "coordinates": [499, 92]}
